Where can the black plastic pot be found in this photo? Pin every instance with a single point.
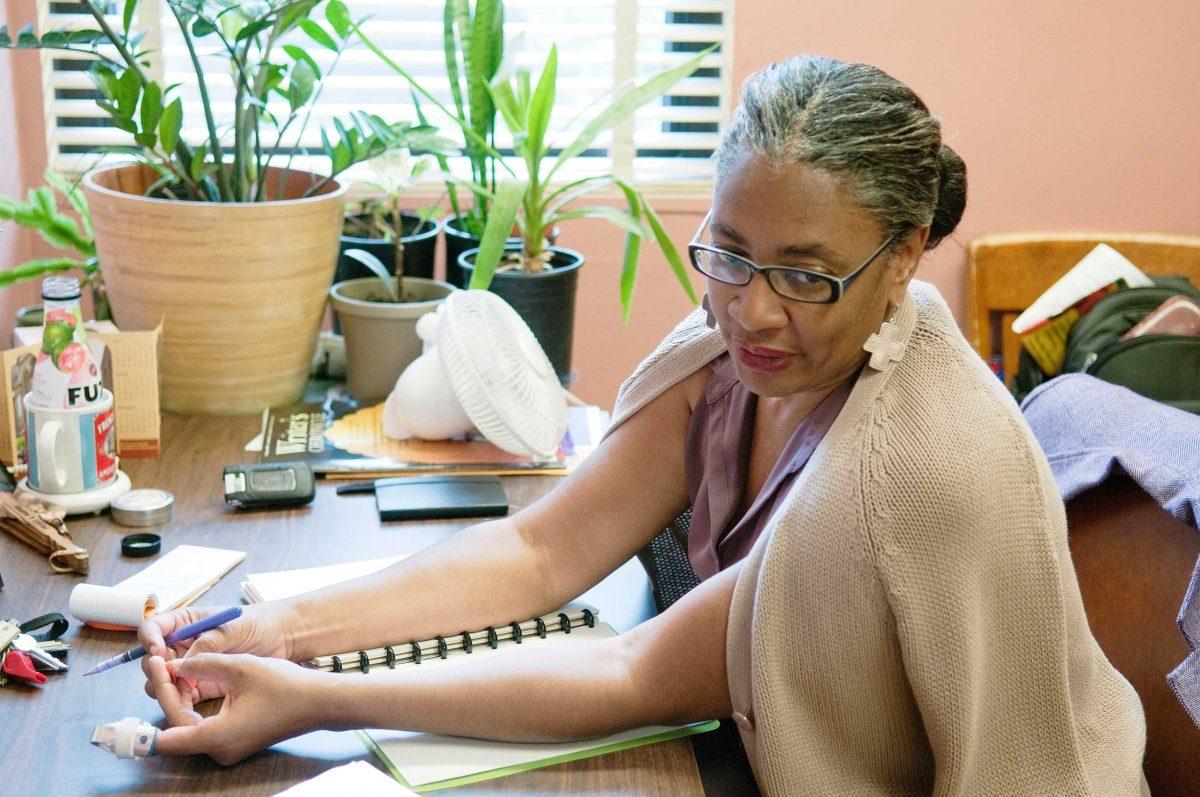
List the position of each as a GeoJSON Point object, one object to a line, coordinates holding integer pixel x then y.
{"type": "Point", "coordinates": [458, 241]}
{"type": "Point", "coordinates": [546, 300]}
{"type": "Point", "coordinates": [419, 241]}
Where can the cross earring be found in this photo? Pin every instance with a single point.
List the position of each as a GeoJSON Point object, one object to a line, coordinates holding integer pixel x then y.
{"type": "Point", "coordinates": [884, 347]}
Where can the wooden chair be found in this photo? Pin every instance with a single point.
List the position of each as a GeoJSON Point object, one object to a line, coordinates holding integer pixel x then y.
{"type": "Point", "coordinates": [1133, 561]}
{"type": "Point", "coordinates": [1008, 271]}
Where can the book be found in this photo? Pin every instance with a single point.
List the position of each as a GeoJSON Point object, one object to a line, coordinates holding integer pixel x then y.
{"type": "Point", "coordinates": [427, 762]}
{"type": "Point", "coordinates": [339, 440]}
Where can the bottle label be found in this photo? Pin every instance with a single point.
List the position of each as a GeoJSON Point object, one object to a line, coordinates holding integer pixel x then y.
{"type": "Point", "coordinates": [65, 375]}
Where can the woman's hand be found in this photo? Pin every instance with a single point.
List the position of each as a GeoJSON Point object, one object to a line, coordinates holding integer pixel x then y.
{"type": "Point", "coordinates": [266, 701]}
{"type": "Point", "coordinates": [263, 629]}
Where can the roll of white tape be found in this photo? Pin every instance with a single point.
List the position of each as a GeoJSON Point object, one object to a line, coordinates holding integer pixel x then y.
{"type": "Point", "coordinates": [98, 605]}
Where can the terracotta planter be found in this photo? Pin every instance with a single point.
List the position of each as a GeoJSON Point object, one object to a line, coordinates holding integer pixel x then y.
{"type": "Point", "coordinates": [239, 287]}
{"type": "Point", "coordinates": [381, 336]}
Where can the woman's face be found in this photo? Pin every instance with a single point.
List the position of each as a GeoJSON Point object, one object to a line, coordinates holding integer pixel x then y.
{"type": "Point", "coordinates": [800, 216]}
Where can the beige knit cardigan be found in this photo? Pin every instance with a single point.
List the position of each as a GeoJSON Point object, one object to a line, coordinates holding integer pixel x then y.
{"type": "Point", "coordinates": [910, 622]}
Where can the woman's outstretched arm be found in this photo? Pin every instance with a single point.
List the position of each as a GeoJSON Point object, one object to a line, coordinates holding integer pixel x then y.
{"type": "Point", "coordinates": [668, 670]}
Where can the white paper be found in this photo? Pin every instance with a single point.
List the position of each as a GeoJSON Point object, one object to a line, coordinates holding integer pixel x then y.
{"type": "Point", "coordinates": [94, 603]}
{"type": "Point", "coordinates": [1100, 267]}
{"type": "Point", "coordinates": [183, 574]}
{"type": "Point", "coordinates": [260, 587]}
{"type": "Point", "coordinates": [357, 779]}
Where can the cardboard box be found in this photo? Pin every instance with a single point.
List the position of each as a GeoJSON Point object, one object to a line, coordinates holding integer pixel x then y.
{"type": "Point", "coordinates": [129, 368]}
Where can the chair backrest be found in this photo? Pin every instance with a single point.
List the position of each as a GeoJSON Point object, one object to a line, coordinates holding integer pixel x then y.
{"type": "Point", "coordinates": [1008, 271]}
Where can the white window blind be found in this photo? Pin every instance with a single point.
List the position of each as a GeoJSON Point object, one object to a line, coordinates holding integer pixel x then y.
{"type": "Point", "coordinates": [602, 43]}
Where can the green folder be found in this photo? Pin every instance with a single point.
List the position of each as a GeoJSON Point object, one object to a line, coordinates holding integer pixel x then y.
{"type": "Point", "coordinates": [586, 749]}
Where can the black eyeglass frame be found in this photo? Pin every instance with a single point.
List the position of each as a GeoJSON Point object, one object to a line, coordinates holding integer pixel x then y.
{"type": "Point", "coordinates": [837, 284]}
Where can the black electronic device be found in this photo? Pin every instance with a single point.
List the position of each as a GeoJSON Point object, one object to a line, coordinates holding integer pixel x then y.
{"type": "Point", "coordinates": [269, 485]}
{"type": "Point", "coordinates": [440, 496]}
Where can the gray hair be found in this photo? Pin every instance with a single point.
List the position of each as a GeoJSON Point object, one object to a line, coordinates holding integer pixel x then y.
{"type": "Point", "coordinates": [856, 121]}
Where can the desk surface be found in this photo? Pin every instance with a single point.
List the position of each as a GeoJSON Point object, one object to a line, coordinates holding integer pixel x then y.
{"type": "Point", "coordinates": [44, 732]}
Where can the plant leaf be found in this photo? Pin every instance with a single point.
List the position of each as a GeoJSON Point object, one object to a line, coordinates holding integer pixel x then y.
{"type": "Point", "coordinates": [254, 28]}
{"type": "Point", "coordinates": [300, 54]}
{"type": "Point", "coordinates": [54, 38]}
{"type": "Point", "coordinates": [203, 27]}
{"type": "Point", "coordinates": [127, 16]}
{"type": "Point", "coordinates": [5, 39]}
{"type": "Point", "coordinates": [287, 17]}
{"type": "Point", "coordinates": [501, 217]}
{"type": "Point", "coordinates": [618, 218]}
{"type": "Point", "coordinates": [540, 106]}
{"type": "Point", "coordinates": [104, 78]}
{"type": "Point", "coordinates": [633, 244]}
{"type": "Point", "coordinates": [318, 34]}
{"type": "Point", "coordinates": [668, 250]}
{"type": "Point", "coordinates": [26, 38]}
{"type": "Point", "coordinates": [300, 85]}
{"type": "Point", "coordinates": [129, 85]}
{"type": "Point", "coordinates": [339, 17]}
{"type": "Point", "coordinates": [625, 104]}
{"type": "Point", "coordinates": [455, 15]}
{"type": "Point", "coordinates": [196, 168]}
{"type": "Point", "coordinates": [376, 267]}
{"type": "Point", "coordinates": [170, 124]}
{"type": "Point", "coordinates": [151, 110]}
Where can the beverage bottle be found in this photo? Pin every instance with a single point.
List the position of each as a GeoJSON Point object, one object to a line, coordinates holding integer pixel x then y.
{"type": "Point", "coordinates": [66, 374]}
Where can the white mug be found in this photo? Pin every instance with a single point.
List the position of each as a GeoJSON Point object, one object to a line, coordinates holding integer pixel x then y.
{"type": "Point", "coordinates": [71, 450]}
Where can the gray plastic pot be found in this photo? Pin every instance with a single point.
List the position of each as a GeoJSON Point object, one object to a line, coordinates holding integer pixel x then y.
{"type": "Point", "coordinates": [381, 336]}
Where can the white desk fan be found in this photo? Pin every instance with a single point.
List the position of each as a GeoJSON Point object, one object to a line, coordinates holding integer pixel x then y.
{"type": "Point", "coordinates": [481, 368]}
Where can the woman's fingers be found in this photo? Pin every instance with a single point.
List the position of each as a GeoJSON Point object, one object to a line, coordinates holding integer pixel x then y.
{"type": "Point", "coordinates": [176, 707]}
{"type": "Point", "coordinates": [182, 740]}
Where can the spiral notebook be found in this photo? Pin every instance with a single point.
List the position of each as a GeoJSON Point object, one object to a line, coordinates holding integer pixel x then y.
{"type": "Point", "coordinates": [426, 761]}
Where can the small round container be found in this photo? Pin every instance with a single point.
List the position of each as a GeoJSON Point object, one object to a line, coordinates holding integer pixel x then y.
{"type": "Point", "coordinates": [143, 508]}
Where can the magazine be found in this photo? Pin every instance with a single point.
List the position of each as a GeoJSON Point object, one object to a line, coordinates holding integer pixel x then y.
{"type": "Point", "coordinates": [338, 439]}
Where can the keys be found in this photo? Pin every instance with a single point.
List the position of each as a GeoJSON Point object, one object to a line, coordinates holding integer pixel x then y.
{"type": "Point", "coordinates": [9, 630]}
{"type": "Point", "coordinates": [41, 659]}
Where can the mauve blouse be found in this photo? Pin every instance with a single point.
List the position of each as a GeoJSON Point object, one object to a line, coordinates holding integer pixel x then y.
{"type": "Point", "coordinates": [717, 461]}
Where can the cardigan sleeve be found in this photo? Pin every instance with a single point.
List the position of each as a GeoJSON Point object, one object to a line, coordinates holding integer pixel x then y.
{"type": "Point", "coordinates": [991, 625]}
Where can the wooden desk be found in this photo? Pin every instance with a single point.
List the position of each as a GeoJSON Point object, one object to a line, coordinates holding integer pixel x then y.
{"type": "Point", "coordinates": [44, 733]}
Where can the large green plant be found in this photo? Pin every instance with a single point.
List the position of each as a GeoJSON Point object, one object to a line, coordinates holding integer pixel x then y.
{"type": "Point", "coordinates": [40, 212]}
{"type": "Point", "coordinates": [473, 46]}
{"type": "Point", "coordinates": [537, 204]}
{"type": "Point", "coordinates": [276, 83]}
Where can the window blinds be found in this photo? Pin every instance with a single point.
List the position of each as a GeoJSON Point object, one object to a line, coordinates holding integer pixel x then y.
{"type": "Point", "coordinates": [602, 43]}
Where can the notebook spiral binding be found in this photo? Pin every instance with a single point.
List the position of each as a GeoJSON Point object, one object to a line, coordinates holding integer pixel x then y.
{"type": "Point", "coordinates": [362, 660]}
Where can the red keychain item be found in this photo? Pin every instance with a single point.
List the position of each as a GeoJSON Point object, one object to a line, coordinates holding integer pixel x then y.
{"type": "Point", "coordinates": [19, 665]}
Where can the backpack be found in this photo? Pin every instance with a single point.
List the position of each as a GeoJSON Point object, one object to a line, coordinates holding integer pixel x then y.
{"type": "Point", "coordinates": [1165, 368]}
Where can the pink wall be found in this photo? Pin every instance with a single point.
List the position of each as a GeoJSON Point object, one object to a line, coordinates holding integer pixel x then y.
{"type": "Point", "coordinates": [1070, 115]}
{"type": "Point", "coordinates": [17, 170]}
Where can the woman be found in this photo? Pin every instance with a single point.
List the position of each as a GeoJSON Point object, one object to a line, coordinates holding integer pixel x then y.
{"type": "Point", "coordinates": [888, 604]}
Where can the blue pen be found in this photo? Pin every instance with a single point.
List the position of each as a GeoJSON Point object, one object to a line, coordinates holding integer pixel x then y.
{"type": "Point", "coordinates": [187, 632]}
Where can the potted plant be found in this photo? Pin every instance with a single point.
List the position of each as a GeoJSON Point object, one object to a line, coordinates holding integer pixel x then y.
{"type": "Point", "coordinates": [473, 46]}
{"type": "Point", "coordinates": [403, 241]}
{"type": "Point", "coordinates": [40, 212]}
{"type": "Point", "coordinates": [233, 252]}
{"type": "Point", "coordinates": [537, 277]}
{"type": "Point", "coordinates": [378, 317]}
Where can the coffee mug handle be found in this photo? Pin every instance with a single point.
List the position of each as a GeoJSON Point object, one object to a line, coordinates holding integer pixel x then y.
{"type": "Point", "coordinates": [47, 442]}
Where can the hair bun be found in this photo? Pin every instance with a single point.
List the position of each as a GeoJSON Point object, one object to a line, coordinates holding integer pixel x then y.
{"type": "Point", "coordinates": [952, 195]}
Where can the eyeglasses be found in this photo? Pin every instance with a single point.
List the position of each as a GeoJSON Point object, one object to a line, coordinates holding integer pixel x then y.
{"type": "Point", "coordinates": [799, 284]}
